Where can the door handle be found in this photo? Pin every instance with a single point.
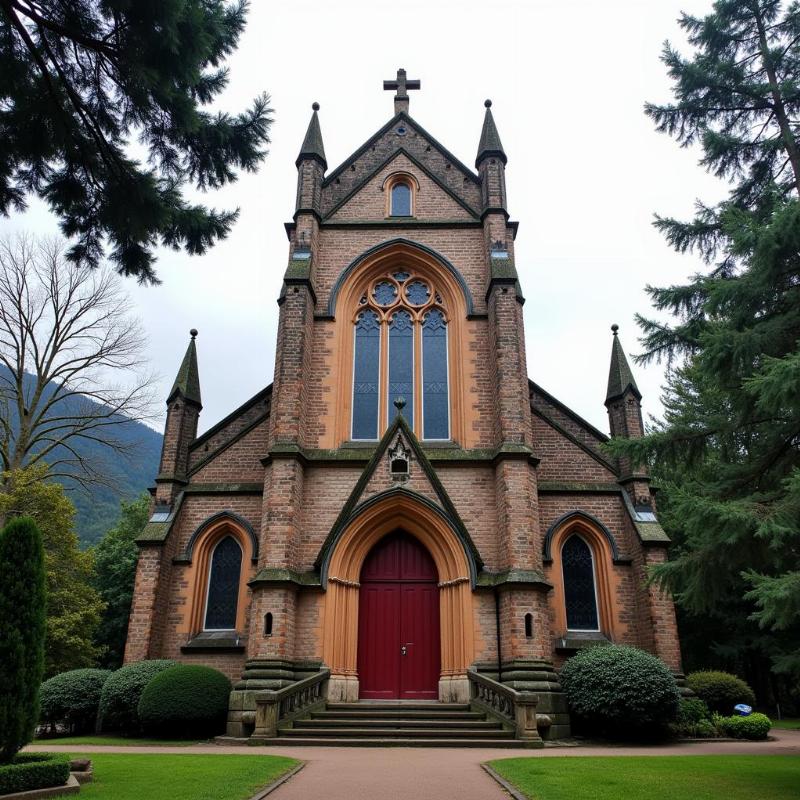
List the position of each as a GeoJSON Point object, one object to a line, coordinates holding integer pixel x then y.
{"type": "Point", "coordinates": [403, 650]}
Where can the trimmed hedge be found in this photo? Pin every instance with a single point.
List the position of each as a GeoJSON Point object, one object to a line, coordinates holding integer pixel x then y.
{"type": "Point", "coordinates": [72, 699]}
{"type": "Point", "coordinates": [756, 726]}
{"type": "Point", "coordinates": [119, 699]}
{"type": "Point", "coordinates": [34, 771]}
{"type": "Point", "coordinates": [187, 700]}
{"type": "Point", "coordinates": [619, 691]}
{"type": "Point", "coordinates": [720, 691]}
{"type": "Point", "coordinates": [692, 710]}
{"type": "Point", "coordinates": [22, 632]}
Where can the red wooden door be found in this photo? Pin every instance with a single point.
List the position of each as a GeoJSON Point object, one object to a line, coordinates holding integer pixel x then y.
{"type": "Point", "coordinates": [398, 626]}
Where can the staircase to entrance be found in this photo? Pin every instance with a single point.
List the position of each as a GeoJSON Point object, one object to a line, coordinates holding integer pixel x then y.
{"type": "Point", "coordinates": [395, 724]}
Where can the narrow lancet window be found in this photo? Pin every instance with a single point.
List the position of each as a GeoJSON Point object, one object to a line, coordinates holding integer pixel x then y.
{"type": "Point", "coordinates": [365, 376]}
{"type": "Point", "coordinates": [580, 597]}
{"type": "Point", "coordinates": [401, 365]}
{"type": "Point", "coordinates": [435, 401]}
{"type": "Point", "coordinates": [401, 200]}
{"type": "Point", "coordinates": [223, 586]}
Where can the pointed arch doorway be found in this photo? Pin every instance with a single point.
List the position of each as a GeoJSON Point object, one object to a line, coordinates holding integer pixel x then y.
{"type": "Point", "coordinates": [398, 626]}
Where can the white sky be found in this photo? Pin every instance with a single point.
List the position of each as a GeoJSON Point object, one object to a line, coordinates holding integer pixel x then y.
{"type": "Point", "coordinates": [586, 170]}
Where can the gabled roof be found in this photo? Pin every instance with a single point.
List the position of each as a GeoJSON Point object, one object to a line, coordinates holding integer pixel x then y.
{"type": "Point", "coordinates": [187, 381]}
{"type": "Point", "coordinates": [620, 377]}
{"type": "Point", "coordinates": [397, 118]}
{"type": "Point", "coordinates": [351, 507]}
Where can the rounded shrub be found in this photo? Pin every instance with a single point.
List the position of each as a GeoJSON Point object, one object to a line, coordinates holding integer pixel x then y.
{"type": "Point", "coordinates": [618, 690]}
{"type": "Point", "coordinates": [119, 699]}
{"type": "Point", "coordinates": [72, 699]}
{"type": "Point", "coordinates": [720, 691]}
{"type": "Point", "coordinates": [756, 726]}
{"type": "Point", "coordinates": [692, 710]}
{"type": "Point", "coordinates": [187, 700]}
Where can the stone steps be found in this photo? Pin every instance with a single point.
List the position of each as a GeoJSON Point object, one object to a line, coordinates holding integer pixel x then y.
{"type": "Point", "coordinates": [395, 724]}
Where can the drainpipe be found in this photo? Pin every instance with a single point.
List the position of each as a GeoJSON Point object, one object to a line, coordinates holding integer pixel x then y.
{"type": "Point", "coordinates": [497, 629]}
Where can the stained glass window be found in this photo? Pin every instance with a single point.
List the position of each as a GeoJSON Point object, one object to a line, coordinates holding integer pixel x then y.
{"type": "Point", "coordinates": [223, 586]}
{"type": "Point", "coordinates": [417, 293]}
{"type": "Point", "coordinates": [401, 200]}
{"type": "Point", "coordinates": [435, 402]}
{"type": "Point", "coordinates": [384, 293]}
{"type": "Point", "coordinates": [579, 588]}
{"type": "Point", "coordinates": [401, 365]}
{"type": "Point", "coordinates": [365, 376]}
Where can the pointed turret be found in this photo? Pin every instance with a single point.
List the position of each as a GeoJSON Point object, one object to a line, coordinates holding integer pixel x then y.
{"type": "Point", "coordinates": [183, 413]}
{"type": "Point", "coordinates": [620, 377]}
{"type": "Point", "coordinates": [187, 381]}
{"type": "Point", "coordinates": [623, 401]}
{"type": "Point", "coordinates": [312, 145]}
{"type": "Point", "coordinates": [490, 144]}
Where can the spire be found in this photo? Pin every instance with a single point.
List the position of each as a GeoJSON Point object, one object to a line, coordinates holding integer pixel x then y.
{"type": "Point", "coordinates": [620, 377]}
{"type": "Point", "coordinates": [490, 144]}
{"type": "Point", "coordinates": [187, 382]}
{"type": "Point", "coordinates": [312, 144]}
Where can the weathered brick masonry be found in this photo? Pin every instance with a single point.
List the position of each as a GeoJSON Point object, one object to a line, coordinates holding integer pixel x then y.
{"type": "Point", "coordinates": [520, 476]}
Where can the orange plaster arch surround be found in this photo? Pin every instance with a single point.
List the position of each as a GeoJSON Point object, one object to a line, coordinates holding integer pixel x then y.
{"type": "Point", "coordinates": [455, 304]}
{"type": "Point", "coordinates": [340, 626]}
{"type": "Point", "coordinates": [606, 582]}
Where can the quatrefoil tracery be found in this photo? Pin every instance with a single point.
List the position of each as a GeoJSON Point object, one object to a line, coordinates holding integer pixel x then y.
{"type": "Point", "coordinates": [401, 289]}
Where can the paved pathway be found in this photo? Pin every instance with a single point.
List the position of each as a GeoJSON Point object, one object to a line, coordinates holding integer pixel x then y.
{"type": "Point", "coordinates": [408, 773]}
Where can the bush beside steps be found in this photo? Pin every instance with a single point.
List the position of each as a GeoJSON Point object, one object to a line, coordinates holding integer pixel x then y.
{"type": "Point", "coordinates": [29, 771]}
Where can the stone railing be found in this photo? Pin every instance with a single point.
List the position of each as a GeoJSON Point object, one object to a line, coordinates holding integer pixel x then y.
{"type": "Point", "coordinates": [516, 709]}
{"type": "Point", "coordinates": [275, 708]}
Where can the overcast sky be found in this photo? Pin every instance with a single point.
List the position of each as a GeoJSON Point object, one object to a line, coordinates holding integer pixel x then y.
{"type": "Point", "coordinates": [586, 171]}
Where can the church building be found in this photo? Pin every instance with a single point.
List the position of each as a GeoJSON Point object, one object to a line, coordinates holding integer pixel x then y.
{"type": "Point", "coordinates": [403, 514]}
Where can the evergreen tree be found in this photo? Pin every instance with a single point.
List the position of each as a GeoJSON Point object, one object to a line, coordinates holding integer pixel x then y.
{"type": "Point", "coordinates": [115, 572]}
{"type": "Point", "coordinates": [73, 604]}
{"type": "Point", "coordinates": [22, 622]}
{"type": "Point", "coordinates": [80, 80]}
{"type": "Point", "coordinates": [728, 449]}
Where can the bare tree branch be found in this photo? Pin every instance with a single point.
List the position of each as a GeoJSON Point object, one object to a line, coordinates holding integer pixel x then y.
{"type": "Point", "coordinates": [72, 365]}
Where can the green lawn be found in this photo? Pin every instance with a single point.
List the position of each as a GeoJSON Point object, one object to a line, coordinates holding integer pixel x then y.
{"type": "Point", "coordinates": [110, 739]}
{"type": "Point", "coordinates": [654, 777]}
{"type": "Point", "coordinates": [178, 776]}
{"type": "Point", "coordinates": [787, 724]}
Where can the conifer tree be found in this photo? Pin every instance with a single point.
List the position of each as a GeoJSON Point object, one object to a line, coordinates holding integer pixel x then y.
{"type": "Point", "coordinates": [22, 614]}
{"type": "Point", "coordinates": [728, 448]}
{"type": "Point", "coordinates": [81, 81]}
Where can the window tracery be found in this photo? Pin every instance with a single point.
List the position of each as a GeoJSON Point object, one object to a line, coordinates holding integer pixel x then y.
{"type": "Point", "coordinates": [401, 351]}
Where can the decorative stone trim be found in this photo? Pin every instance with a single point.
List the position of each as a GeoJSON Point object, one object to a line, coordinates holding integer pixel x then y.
{"type": "Point", "coordinates": [343, 582]}
{"type": "Point", "coordinates": [452, 582]}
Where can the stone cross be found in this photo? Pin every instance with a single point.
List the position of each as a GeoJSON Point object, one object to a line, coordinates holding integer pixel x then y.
{"type": "Point", "coordinates": [402, 87]}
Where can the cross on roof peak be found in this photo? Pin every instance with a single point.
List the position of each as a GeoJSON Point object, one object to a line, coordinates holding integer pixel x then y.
{"type": "Point", "coordinates": [401, 86]}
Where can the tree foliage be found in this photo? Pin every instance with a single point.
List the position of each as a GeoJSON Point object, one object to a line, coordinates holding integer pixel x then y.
{"type": "Point", "coordinates": [73, 605]}
{"type": "Point", "coordinates": [82, 81]}
{"type": "Point", "coordinates": [115, 572]}
{"type": "Point", "coordinates": [728, 449]}
{"type": "Point", "coordinates": [22, 622]}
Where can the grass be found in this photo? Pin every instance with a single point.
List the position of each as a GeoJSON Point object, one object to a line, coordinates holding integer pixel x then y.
{"type": "Point", "coordinates": [179, 776]}
{"type": "Point", "coordinates": [787, 724]}
{"type": "Point", "coordinates": [654, 777]}
{"type": "Point", "coordinates": [119, 741]}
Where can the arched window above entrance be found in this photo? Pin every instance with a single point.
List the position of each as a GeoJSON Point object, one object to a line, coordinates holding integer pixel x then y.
{"type": "Point", "coordinates": [401, 352]}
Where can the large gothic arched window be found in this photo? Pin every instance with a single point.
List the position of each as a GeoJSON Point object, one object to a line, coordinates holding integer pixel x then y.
{"type": "Point", "coordinates": [401, 352]}
{"type": "Point", "coordinates": [580, 595]}
{"type": "Point", "coordinates": [222, 598]}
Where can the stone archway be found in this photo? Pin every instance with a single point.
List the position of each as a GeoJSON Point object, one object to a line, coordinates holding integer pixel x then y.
{"type": "Point", "coordinates": [340, 626]}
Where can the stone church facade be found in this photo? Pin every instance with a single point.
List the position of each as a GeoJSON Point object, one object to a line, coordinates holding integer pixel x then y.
{"type": "Point", "coordinates": [402, 505]}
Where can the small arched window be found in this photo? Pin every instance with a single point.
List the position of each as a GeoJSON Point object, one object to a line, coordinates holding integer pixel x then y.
{"type": "Point", "coordinates": [222, 598]}
{"type": "Point", "coordinates": [580, 595]}
{"type": "Point", "coordinates": [400, 199]}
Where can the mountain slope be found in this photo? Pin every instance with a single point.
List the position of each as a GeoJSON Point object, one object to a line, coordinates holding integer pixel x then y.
{"type": "Point", "coordinates": [97, 507]}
